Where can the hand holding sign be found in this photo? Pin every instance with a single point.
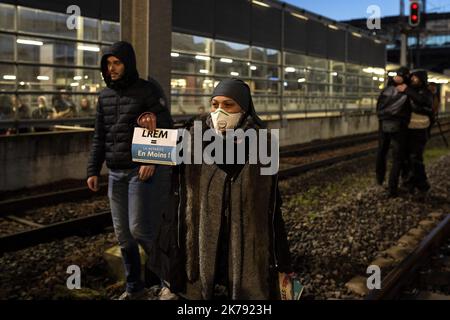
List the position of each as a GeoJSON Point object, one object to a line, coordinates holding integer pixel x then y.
{"type": "Point", "coordinates": [147, 120]}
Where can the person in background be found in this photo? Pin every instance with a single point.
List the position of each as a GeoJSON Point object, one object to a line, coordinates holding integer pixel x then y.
{"type": "Point", "coordinates": [422, 116]}
{"type": "Point", "coordinates": [85, 108]}
{"type": "Point", "coordinates": [21, 109]}
{"type": "Point", "coordinates": [436, 103]}
{"type": "Point", "coordinates": [201, 111]}
{"type": "Point", "coordinates": [200, 115]}
{"type": "Point", "coordinates": [436, 98]}
{"type": "Point", "coordinates": [64, 106]}
{"type": "Point", "coordinates": [393, 112]}
{"type": "Point", "coordinates": [22, 112]}
{"type": "Point", "coordinates": [42, 112]}
{"type": "Point", "coordinates": [6, 107]}
{"type": "Point", "coordinates": [6, 111]}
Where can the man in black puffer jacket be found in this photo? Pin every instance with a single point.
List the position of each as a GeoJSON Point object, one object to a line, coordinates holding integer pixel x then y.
{"type": "Point", "coordinates": [138, 193]}
{"type": "Point", "coordinates": [394, 112]}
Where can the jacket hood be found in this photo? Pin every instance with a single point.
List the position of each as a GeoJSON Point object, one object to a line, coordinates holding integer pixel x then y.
{"type": "Point", "coordinates": [124, 52]}
{"type": "Point", "coordinates": [239, 91]}
{"type": "Point", "coordinates": [401, 72]}
{"type": "Point", "coordinates": [422, 75]}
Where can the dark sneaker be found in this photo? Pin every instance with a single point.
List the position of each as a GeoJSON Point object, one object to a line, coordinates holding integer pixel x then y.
{"type": "Point", "coordinates": [421, 196]}
{"type": "Point", "coordinates": [380, 180]}
{"type": "Point", "coordinates": [392, 194]}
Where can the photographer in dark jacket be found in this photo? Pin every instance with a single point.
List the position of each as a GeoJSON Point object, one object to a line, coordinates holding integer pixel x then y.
{"type": "Point", "coordinates": [422, 116]}
{"type": "Point", "coordinates": [394, 112]}
{"type": "Point", "coordinates": [138, 193]}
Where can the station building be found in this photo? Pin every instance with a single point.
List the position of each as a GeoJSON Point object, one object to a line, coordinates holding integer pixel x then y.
{"type": "Point", "coordinates": [294, 61]}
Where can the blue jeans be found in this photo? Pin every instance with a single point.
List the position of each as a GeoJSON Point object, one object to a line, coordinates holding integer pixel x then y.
{"type": "Point", "coordinates": [136, 208]}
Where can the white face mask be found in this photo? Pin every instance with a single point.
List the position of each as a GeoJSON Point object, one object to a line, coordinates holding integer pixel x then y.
{"type": "Point", "coordinates": [223, 120]}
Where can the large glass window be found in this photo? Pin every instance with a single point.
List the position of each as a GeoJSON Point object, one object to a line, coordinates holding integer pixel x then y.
{"type": "Point", "coordinates": [296, 74]}
{"type": "Point", "coordinates": [317, 63]}
{"type": "Point", "coordinates": [262, 87]}
{"type": "Point", "coordinates": [90, 29]}
{"type": "Point", "coordinates": [231, 49]}
{"type": "Point", "coordinates": [189, 43]}
{"type": "Point", "coordinates": [309, 83]}
{"type": "Point", "coordinates": [213, 60]}
{"type": "Point", "coordinates": [318, 76]}
{"type": "Point", "coordinates": [294, 88]}
{"type": "Point", "coordinates": [189, 105]}
{"type": "Point", "coordinates": [265, 71]}
{"type": "Point", "coordinates": [192, 85]}
{"type": "Point", "coordinates": [6, 105]}
{"type": "Point", "coordinates": [52, 60]}
{"type": "Point", "coordinates": [8, 77]}
{"type": "Point", "coordinates": [44, 22]}
{"type": "Point", "coordinates": [110, 31]}
{"type": "Point", "coordinates": [48, 106]}
{"type": "Point", "coordinates": [184, 63]}
{"type": "Point", "coordinates": [57, 52]}
{"type": "Point", "coordinates": [229, 68]}
{"type": "Point", "coordinates": [367, 81]}
{"type": "Point", "coordinates": [295, 59]}
{"type": "Point", "coordinates": [337, 66]}
{"type": "Point", "coordinates": [7, 45]}
{"type": "Point", "coordinates": [51, 79]}
{"type": "Point", "coordinates": [7, 17]}
{"type": "Point", "coordinates": [265, 55]}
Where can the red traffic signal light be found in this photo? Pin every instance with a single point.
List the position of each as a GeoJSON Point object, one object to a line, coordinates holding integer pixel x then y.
{"type": "Point", "coordinates": [414, 13]}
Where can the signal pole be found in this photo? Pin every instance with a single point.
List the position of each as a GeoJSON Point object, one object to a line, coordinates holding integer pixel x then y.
{"type": "Point", "coordinates": [420, 30]}
{"type": "Point", "coordinates": [404, 39]}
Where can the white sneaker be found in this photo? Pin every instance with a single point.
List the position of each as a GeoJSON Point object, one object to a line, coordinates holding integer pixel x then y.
{"type": "Point", "coordinates": [166, 294]}
{"type": "Point", "coordinates": [140, 295]}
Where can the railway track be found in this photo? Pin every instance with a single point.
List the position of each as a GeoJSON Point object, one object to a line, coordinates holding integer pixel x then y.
{"type": "Point", "coordinates": [405, 273]}
{"type": "Point", "coordinates": [91, 224]}
{"type": "Point", "coordinates": [299, 169]}
{"type": "Point", "coordinates": [17, 206]}
{"type": "Point", "coordinates": [97, 222]}
{"type": "Point", "coordinates": [319, 146]}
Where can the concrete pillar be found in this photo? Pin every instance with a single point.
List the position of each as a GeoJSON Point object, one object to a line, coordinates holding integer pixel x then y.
{"type": "Point", "coordinates": [147, 25]}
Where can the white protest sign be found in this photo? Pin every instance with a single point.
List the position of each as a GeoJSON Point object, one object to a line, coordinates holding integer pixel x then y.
{"type": "Point", "coordinates": [158, 146]}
